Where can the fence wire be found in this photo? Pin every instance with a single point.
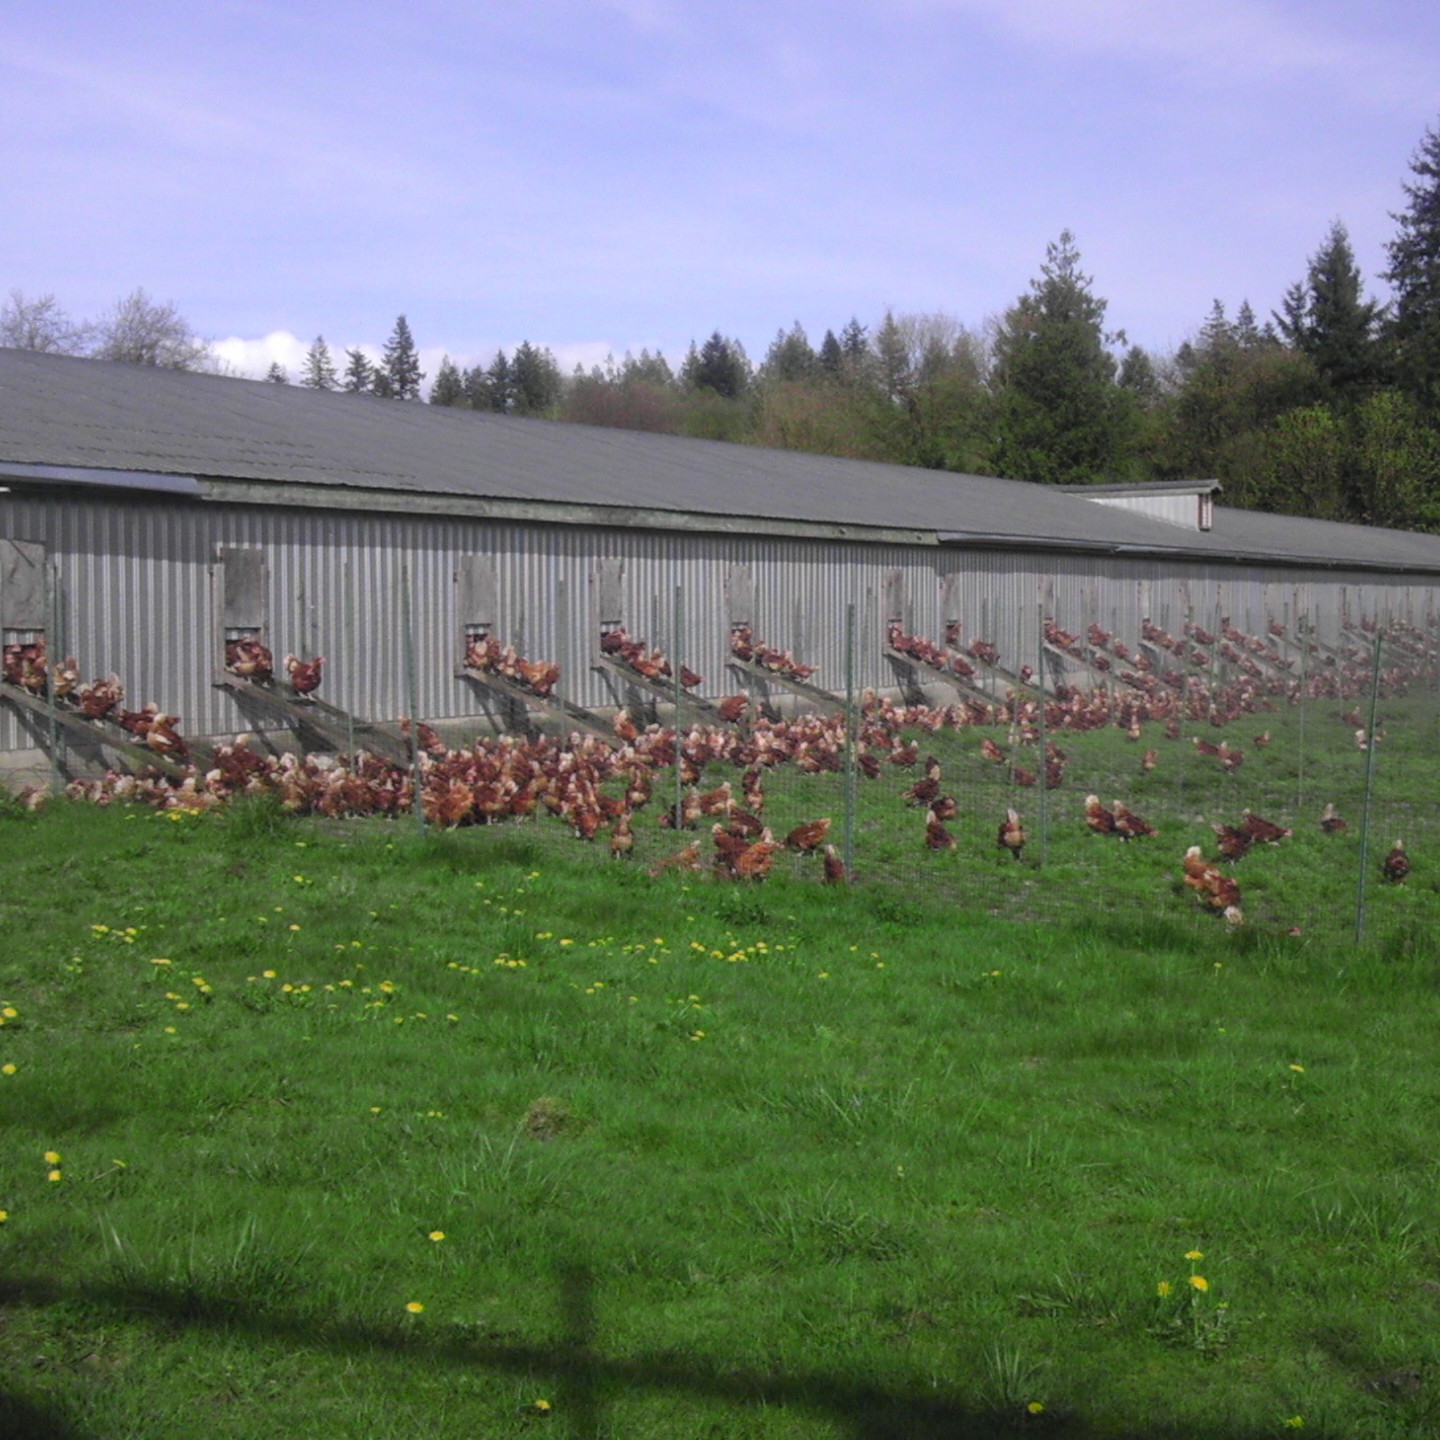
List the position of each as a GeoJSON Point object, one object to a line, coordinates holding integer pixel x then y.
{"type": "Point", "coordinates": [1277, 781]}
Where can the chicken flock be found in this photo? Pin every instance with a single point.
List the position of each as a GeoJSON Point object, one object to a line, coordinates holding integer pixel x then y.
{"type": "Point", "coordinates": [603, 787]}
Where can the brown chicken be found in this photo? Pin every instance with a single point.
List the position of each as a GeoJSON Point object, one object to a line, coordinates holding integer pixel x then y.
{"type": "Point", "coordinates": [100, 697]}
{"type": "Point", "coordinates": [1331, 823]}
{"type": "Point", "coordinates": [937, 837]}
{"type": "Point", "coordinates": [1266, 832]}
{"type": "Point", "coordinates": [809, 836]}
{"type": "Point", "coordinates": [1097, 817]}
{"type": "Point", "coordinates": [733, 707]}
{"type": "Point", "coordinates": [1234, 842]}
{"type": "Point", "coordinates": [1396, 865]}
{"type": "Point", "coordinates": [622, 837]}
{"type": "Point", "coordinates": [687, 859]}
{"type": "Point", "coordinates": [991, 751]}
{"type": "Point", "coordinates": [304, 674]}
{"type": "Point", "coordinates": [834, 867]}
{"type": "Point", "coordinates": [249, 659]}
{"type": "Point", "coordinates": [67, 677]}
{"type": "Point", "coordinates": [1148, 760]}
{"type": "Point", "coordinates": [541, 676]}
{"type": "Point", "coordinates": [753, 862]}
{"type": "Point", "coordinates": [922, 792]}
{"type": "Point", "coordinates": [945, 807]}
{"type": "Point", "coordinates": [1129, 825]}
{"type": "Point", "coordinates": [1012, 834]}
{"type": "Point", "coordinates": [1218, 891]}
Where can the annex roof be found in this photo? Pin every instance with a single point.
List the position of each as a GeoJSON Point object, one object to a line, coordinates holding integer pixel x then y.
{"type": "Point", "coordinates": [246, 441]}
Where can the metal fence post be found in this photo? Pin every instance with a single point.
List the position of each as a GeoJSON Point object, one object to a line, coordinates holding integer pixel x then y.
{"type": "Point", "coordinates": [852, 740]}
{"type": "Point", "coordinates": [412, 685]}
{"type": "Point", "coordinates": [1369, 790]}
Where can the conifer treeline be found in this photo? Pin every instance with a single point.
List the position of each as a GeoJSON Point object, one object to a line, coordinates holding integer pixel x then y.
{"type": "Point", "coordinates": [1330, 407]}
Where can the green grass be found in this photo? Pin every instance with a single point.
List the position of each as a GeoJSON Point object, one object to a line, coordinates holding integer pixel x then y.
{"type": "Point", "coordinates": [768, 1161]}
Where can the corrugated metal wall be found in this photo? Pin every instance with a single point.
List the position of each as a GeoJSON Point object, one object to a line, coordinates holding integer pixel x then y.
{"type": "Point", "coordinates": [136, 596]}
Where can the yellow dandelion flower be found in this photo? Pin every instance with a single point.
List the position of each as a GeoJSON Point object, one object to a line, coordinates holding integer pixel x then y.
{"type": "Point", "coordinates": [542, 1406]}
{"type": "Point", "coordinates": [437, 1236]}
{"type": "Point", "coordinates": [4, 1216]}
{"type": "Point", "coordinates": [1035, 1408]}
{"type": "Point", "coordinates": [1194, 1255]}
{"type": "Point", "coordinates": [1200, 1283]}
{"type": "Point", "coordinates": [1298, 1069]}
{"type": "Point", "coordinates": [53, 1176]}
{"type": "Point", "coordinates": [10, 1013]}
{"type": "Point", "coordinates": [268, 974]}
{"type": "Point", "coordinates": [1163, 1289]}
{"type": "Point", "coordinates": [415, 1307]}
{"type": "Point", "coordinates": [52, 1157]}
{"type": "Point", "coordinates": [8, 1069]}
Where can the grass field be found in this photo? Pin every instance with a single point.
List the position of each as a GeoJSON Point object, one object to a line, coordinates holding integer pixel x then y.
{"type": "Point", "coordinates": [333, 1128]}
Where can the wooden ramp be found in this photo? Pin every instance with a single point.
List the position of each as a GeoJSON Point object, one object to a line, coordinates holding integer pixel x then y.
{"type": "Point", "coordinates": [527, 700]}
{"type": "Point", "coordinates": [327, 723]}
{"type": "Point", "coordinates": [965, 687]}
{"type": "Point", "coordinates": [664, 694]}
{"type": "Point", "coordinates": [99, 733]}
{"type": "Point", "coordinates": [803, 688]}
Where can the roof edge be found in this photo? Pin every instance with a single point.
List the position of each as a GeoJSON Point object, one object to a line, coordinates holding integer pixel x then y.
{"type": "Point", "coordinates": [292, 495]}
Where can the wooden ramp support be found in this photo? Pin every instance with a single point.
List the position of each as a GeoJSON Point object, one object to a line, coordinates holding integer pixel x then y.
{"type": "Point", "coordinates": [99, 733]}
{"type": "Point", "coordinates": [527, 700]}
{"type": "Point", "coordinates": [965, 687]}
{"type": "Point", "coordinates": [327, 722]}
{"type": "Point", "coordinates": [803, 688]}
{"type": "Point", "coordinates": [663, 693]}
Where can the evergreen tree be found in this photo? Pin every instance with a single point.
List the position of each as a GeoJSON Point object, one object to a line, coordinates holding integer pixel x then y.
{"type": "Point", "coordinates": [359, 372]}
{"type": "Point", "coordinates": [318, 371]}
{"type": "Point", "coordinates": [382, 385]}
{"type": "Point", "coordinates": [1060, 416]}
{"type": "Point", "coordinates": [535, 379]}
{"type": "Point", "coordinates": [719, 365]}
{"type": "Point", "coordinates": [500, 383]}
{"type": "Point", "coordinates": [449, 386]}
{"type": "Point", "coordinates": [401, 363]}
{"type": "Point", "coordinates": [1326, 318]}
{"type": "Point", "coordinates": [1414, 275]}
{"type": "Point", "coordinates": [791, 356]}
{"type": "Point", "coordinates": [832, 357]}
{"type": "Point", "coordinates": [477, 388]}
{"type": "Point", "coordinates": [277, 374]}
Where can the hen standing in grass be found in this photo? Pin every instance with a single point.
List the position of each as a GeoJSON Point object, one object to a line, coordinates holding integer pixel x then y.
{"type": "Point", "coordinates": [1396, 865]}
{"type": "Point", "coordinates": [1012, 834]}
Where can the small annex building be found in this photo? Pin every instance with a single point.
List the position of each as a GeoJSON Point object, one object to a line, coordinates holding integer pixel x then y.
{"type": "Point", "coordinates": [147, 517]}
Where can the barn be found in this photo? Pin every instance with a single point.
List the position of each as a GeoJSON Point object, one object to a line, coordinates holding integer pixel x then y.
{"type": "Point", "coordinates": [150, 517]}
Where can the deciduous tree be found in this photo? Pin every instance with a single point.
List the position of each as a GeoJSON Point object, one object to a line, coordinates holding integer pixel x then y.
{"type": "Point", "coordinates": [40, 324]}
{"type": "Point", "coordinates": [142, 331]}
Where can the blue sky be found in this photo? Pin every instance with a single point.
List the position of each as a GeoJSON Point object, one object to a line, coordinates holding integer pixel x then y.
{"type": "Point", "coordinates": [602, 175]}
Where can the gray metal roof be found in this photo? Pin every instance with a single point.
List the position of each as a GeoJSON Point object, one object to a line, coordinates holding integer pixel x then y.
{"type": "Point", "coordinates": [279, 443]}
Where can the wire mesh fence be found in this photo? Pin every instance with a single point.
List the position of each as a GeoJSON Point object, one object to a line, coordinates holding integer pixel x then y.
{"type": "Point", "coordinates": [1279, 781]}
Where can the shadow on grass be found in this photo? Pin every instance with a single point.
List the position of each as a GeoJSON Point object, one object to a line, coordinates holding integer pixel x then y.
{"type": "Point", "coordinates": [584, 1379]}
